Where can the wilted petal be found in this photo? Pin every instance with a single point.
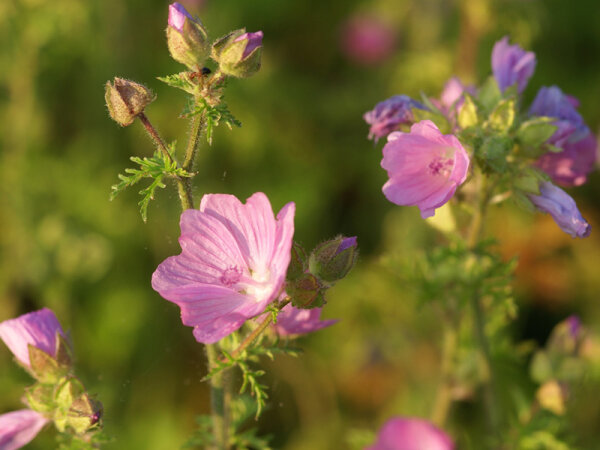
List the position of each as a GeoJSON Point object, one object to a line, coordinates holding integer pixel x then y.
{"type": "Point", "coordinates": [300, 321]}
{"type": "Point", "coordinates": [389, 114]}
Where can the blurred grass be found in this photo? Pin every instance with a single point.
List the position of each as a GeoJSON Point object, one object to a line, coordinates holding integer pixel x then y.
{"type": "Point", "coordinates": [65, 246]}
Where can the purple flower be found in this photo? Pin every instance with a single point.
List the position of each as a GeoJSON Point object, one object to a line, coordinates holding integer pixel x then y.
{"type": "Point", "coordinates": [367, 40]}
{"type": "Point", "coordinates": [562, 208]}
{"type": "Point", "coordinates": [389, 114]}
{"type": "Point", "coordinates": [571, 166]}
{"type": "Point", "coordinates": [38, 328]}
{"type": "Point", "coordinates": [424, 167]}
{"type": "Point", "coordinates": [233, 263]}
{"type": "Point", "coordinates": [253, 41]}
{"type": "Point", "coordinates": [511, 64]}
{"type": "Point", "coordinates": [552, 102]}
{"type": "Point", "coordinates": [400, 433]}
{"type": "Point", "coordinates": [177, 16]}
{"type": "Point", "coordinates": [574, 325]}
{"type": "Point", "coordinates": [300, 321]}
{"type": "Point", "coordinates": [18, 428]}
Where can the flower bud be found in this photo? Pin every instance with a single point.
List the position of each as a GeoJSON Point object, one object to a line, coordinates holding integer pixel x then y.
{"type": "Point", "coordinates": [239, 53]}
{"type": "Point", "coordinates": [187, 38]}
{"type": "Point", "coordinates": [562, 208]}
{"type": "Point", "coordinates": [126, 99]}
{"type": "Point", "coordinates": [332, 260]}
{"type": "Point", "coordinates": [84, 413]}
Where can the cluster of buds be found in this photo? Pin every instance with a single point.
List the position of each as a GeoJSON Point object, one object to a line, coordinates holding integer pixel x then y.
{"type": "Point", "coordinates": [527, 153]}
{"type": "Point", "coordinates": [309, 276]}
{"type": "Point", "coordinates": [238, 54]}
{"type": "Point", "coordinates": [40, 346]}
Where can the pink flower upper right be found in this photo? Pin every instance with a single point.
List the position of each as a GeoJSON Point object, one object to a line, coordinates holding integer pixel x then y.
{"type": "Point", "coordinates": [233, 263]}
{"type": "Point", "coordinates": [424, 167]}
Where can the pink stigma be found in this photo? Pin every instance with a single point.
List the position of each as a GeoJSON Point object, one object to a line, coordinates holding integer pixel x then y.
{"type": "Point", "coordinates": [231, 275]}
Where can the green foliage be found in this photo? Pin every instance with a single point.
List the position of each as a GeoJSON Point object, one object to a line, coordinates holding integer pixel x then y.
{"type": "Point", "coordinates": [158, 167]}
{"type": "Point", "coordinates": [213, 115]}
{"type": "Point", "coordinates": [66, 441]}
{"type": "Point", "coordinates": [180, 81]}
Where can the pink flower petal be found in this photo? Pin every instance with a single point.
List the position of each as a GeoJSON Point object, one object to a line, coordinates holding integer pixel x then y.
{"type": "Point", "coordinates": [18, 428]}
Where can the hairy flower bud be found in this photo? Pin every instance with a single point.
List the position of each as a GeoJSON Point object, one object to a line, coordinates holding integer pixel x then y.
{"type": "Point", "coordinates": [332, 260]}
{"type": "Point", "coordinates": [126, 99]}
{"type": "Point", "coordinates": [239, 53]}
{"type": "Point", "coordinates": [187, 38]}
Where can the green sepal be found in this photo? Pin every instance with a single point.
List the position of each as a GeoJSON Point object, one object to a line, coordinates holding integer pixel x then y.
{"type": "Point", "coordinates": [44, 367]}
{"type": "Point", "coordinates": [494, 151]}
{"type": "Point", "coordinates": [64, 351]}
{"type": "Point", "coordinates": [521, 199]}
{"type": "Point", "coordinates": [489, 94]}
{"type": "Point", "coordinates": [436, 117]}
{"type": "Point", "coordinates": [305, 292]}
{"type": "Point", "coordinates": [503, 116]}
{"type": "Point", "coordinates": [84, 414]}
{"type": "Point", "coordinates": [298, 264]}
{"type": "Point", "coordinates": [467, 115]}
{"type": "Point", "coordinates": [40, 397]}
{"type": "Point", "coordinates": [67, 392]}
{"type": "Point", "coordinates": [536, 132]}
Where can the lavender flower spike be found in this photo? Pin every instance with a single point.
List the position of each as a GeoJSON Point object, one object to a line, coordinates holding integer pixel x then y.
{"type": "Point", "coordinates": [562, 208]}
{"type": "Point", "coordinates": [400, 433]}
{"type": "Point", "coordinates": [18, 428]}
{"type": "Point", "coordinates": [389, 114]}
{"type": "Point", "coordinates": [424, 167]}
{"type": "Point", "coordinates": [511, 64]}
{"type": "Point", "coordinates": [37, 328]}
{"type": "Point", "coordinates": [233, 263]}
{"type": "Point", "coordinates": [300, 321]}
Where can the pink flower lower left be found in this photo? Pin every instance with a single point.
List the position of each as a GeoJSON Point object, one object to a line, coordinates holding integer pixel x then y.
{"type": "Point", "coordinates": [233, 263]}
{"type": "Point", "coordinates": [18, 428]}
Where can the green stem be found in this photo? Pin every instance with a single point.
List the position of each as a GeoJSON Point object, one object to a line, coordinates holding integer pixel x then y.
{"type": "Point", "coordinates": [443, 398]}
{"type": "Point", "coordinates": [192, 147]}
{"type": "Point", "coordinates": [184, 187]}
{"type": "Point", "coordinates": [219, 400]}
{"type": "Point", "coordinates": [475, 233]}
{"type": "Point", "coordinates": [257, 331]}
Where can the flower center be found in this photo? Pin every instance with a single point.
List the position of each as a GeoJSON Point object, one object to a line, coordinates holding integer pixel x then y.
{"type": "Point", "coordinates": [231, 275]}
{"type": "Point", "coordinates": [441, 166]}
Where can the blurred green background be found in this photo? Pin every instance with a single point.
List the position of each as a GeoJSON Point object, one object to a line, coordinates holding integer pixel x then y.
{"type": "Point", "coordinates": [65, 246]}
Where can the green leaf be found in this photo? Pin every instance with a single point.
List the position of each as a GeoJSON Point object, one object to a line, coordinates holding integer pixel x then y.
{"type": "Point", "coordinates": [213, 115]}
{"type": "Point", "coordinates": [536, 132]}
{"type": "Point", "coordinates": [467, 116]}
{"type": "Point", "coordinates": [494, 151]}
{"type": "Point", "coordinates": [180, 81]}
{"type": "Point", "coordinates": [503, 116]}
{"type": "Point", "coordinates": [158, 167]}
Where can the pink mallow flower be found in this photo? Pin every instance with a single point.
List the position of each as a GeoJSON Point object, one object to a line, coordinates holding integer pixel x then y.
{"type": "Point", "coordinates": [400, 433]}
{"type": "Point", "coordinates": [252, 40]}
{"type": "Point", "coordinates": [38, 328]}
{"type": "Point", "coordinates": [562, 208]}
{"type": "Point", "coordinates": [18, 428]}
{"type": "Point", "coordinates": [178, 15]}
{"type": "Point", "coordinates": [233, 263]}
{"type": "Point", "coordinates": [424, 167]}
{"type": "Point", "coordinates": [300, 321]}
{"type": "Point", "coordinates": [511, 64]}
{"type": "Point", "coordinates": [389, 114]}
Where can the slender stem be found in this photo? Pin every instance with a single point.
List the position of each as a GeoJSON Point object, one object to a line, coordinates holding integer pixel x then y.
{"type": "Point", "coordinates": [219, 400]}
{"type": "Point", "coordinates": [490, 398]}
{"type": "Point", "coordinates": [443, 397]}
{"type": "Point", "coordinates": [257, 331]}
{"type": "Point", "coordinates": [192, 147]}
{"type": "Point", "coordinates": [155, 136]}
{"type": "Point", "coordinates": [184, 187]}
